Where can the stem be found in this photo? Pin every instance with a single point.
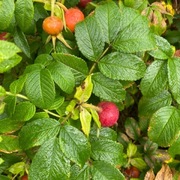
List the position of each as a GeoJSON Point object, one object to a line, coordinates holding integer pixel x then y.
{"type": "Point", "coordinates": [86, 105]}
{"type": "Point", "coordinates": [61, 5]}
{"type": "Point", "coordinates": [17, 95]}
{"type": "Point", "coordinates": [94, 65]}
{"type": "Point", "coordinates": [52, 7]}
{"type": "Point", "coordinates": [51, 113]}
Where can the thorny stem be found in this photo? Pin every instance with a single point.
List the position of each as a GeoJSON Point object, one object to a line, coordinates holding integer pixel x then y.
{"type": "Point", "coordinates": [94, 65]}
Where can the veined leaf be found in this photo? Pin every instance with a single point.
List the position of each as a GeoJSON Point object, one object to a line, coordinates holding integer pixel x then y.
{"type": "Point", "coordinates": [9, 144]}
{"type": "Point", "coordinates": [63, 76]}
{"type": "Point", "coordinates": [134, 34]}
{"type": "Point", "coordinates": [108, 89]}
{"type": "Point", "coordinates": [149, 105]}
{"type": "Point", "coordinates": [7, 8]}
{"type": "Point", "coordinates": [155, 79]}
{"type": "Point", "coordinates": [74, 144]}
{"type": "Point", "coordinates": [174, 77]}
{"type": "Point", "coordinates": [105, 171]}
{"type": "Point", "coordinates": [108, 151]}
{"type": "Point", "coordinates": [90, 38]}
{"type": "Point", "coordinates": [49, 163]}
{"type": "Point", "coordinates": [40, 88]}
{"type": "Point", "coordinates": [37, 132]}
{"type": "Point", "coordinates": [108, 16]}
{"type": "Point", "coordinates": [164, 126]}
{"type": "Point", "coordinates": [164, 50]}
{"type": "Point", "coordinates": [122, 66]}
{"type": "Point", "coordinates": [24, 13]}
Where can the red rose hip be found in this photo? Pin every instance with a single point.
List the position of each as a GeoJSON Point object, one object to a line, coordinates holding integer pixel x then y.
{"type": "Point", "coordinates": [83, 3]}
{"type": "Point", "coordinates": [108, 114]}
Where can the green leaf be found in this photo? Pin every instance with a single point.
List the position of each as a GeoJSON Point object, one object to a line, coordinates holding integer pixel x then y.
{"type": "Point", "coordinates": [89, 38]}
{"type": "Point", "coordinates": [74, 144]}
{"type": "Point", "coordinates": [77, 65]}
{"type": "Point", "coordinates": [9, 125]}
{"type": "Point", "coordinates": [24, 111]}
{"type": "Point", "coordinates": [131, 150]}
{"type": "Point", "coordinates": [149, 105]}
{"type": "Point", "coordinates": [37, 132]}
{"type": "Point", "coordinates": [6, 13]}
{"type": "Point", "coordinates": [40, 88]}
{"type": "Point", "coordinates": [2, 91]}
{"type": "Point", "coordinates": [85, 118]}
{"type": "Point", "coordinates": [95, 117]}
{"type": "Point", "coordinates": [132, 128]}
{"type": "Point", "coordinates": [122, 66]}
{"type": "Point", "coordinates": [49, 163]}
{"type": "Point", "coordinates": [175, 148]}
{"type": "Point", "coordinates": [134, 34]}
{"type": "Point", "coordinates": [63, 76]}
{"type": "Point", "coordinates": [139, 163]}
{"type": "Point", "coordinates": [24, 13]}
{"type": "Point", "coordinates": [155, 79]}
{"type": "Point", "coordinates": [108, 17]}
{"type": "Point", "coordinates": [17, 168]}
{"type": "Point", "coordinates": [104, 171]}
{"type": "Point", "coordinates": [21, 41]}
{"type": "Point", "coordinates": [9, 144]}
{"type": "Point", "coordinates": [108, 89]}
{"type": "Point", "coordinates": [10, 105]}
{"type": "Point", "coordinates": [44, 59]}
{"type": "Point", "coordinates": [84, 91]}
{"type": "Point", "coordinates": [163, 51]}
{"type": "Point", "coordinates": [71, 3]}
{"type": "Point", "coordinates": [108, 151]}
{"type": "Point", "coordinates": [174, 77]}
{"type": "Point", "coordinates": [164, 126]}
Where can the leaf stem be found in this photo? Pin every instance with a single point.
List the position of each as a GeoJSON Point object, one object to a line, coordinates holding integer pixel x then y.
{"type": "Point", "coordinates": [52, 7]}
{"type": "Point", "coordinates": [17, 95]}
{"type": "Point", "coordinates": [51, 113]}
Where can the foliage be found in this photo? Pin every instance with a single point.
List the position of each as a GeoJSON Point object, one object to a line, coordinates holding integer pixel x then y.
{"type": "Point", "coordinates": [122, 52]}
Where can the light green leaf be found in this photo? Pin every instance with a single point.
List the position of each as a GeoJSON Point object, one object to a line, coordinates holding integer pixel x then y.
{"type": "Point", "coordinates": [155, 79]}
{"type": "Point", "coordinates": [63, 76]}
{"type": "Point", "coordinates": [89, 38]}
{"type": "Point", "coordinates": [6, 13]}
{"type": "Point", "coordinates": [139, 163]}
{"type": "Point", "coordinates": [108, 151]}
{"type": "Point", "coordinates": [24, 13]}
{"type": "Point", "coordinates": [149, 105]}
{"type": "Point", "coordinates": [49, 163]}
{"type": "Point", "coordinates": [164, 126]}
{"type": "Point", "coordinates": [95, 117]}
{"type": "Point", "coordinates": [175, 148]}
{"type": "Point", "coordinates": [77, 65]}
{"type": "Point", "coordinates": [131, 150]}
{"type": "Point", "coordinates": [134, 34]}
{"type": "Point", "coordinates": [37, 132]}
{"type": "Point", "coordinates": [163, 51]}
{"type": "Point", "coordinates": [9, 144]}
{"type": "Point", "coordinates": [122, 66]}
{"type": "Point", "coordinates": [104, 171]}
{"type": "Point", "coordinates": [2, 91]}
{"type": "Point", "coordinates": [84, 91]}
{"type": "Point", "coordinates": [21, 41]}
{"type": "Point", "coordinates": [85, 118]}
{"type": "Point", "coordinates": [40, 88]}
{"type": "Point", "coordinates": [17, 168]}
{"type": "Point", "coordinates": [108, 17]}
{"type": "Point", "coordinates": [74, 144]}
{"type": "Point", "coordinates": [24, 111]}
{"type": "Point", "coordinates": [174, 77]}
{"type": "Point", "coordinates": [108, 89]}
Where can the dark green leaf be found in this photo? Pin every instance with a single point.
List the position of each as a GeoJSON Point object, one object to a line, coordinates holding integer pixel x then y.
{"type": "Point", "coordinates": [108, 151]}
{"type": "Point", "coordinates": [149, 105]}
{"type": "Point", "coordinates": [37, 132]}
{"type": "Point", "coordinates": [164, 50]}
{"type": "Point", "coordinates": [174, 77]}
{"type": "Point", "coordinates": [90, 38]}
{"type": "Point", "coordinates": [155, 79]}
{"type": "Point", "coordinates": [10, 105]}
{"type": "Point", "coordinates": [134, 35]}
{"type": "Point", "coordinates": [44, 59]}
{"type": "Point", "coordinates": [40, 88]}
{"type": "Point", "coordinates": [164, 126]}
{"type": "Point", "coordinates": [74, 144]}
{"type": "Point", "coordinates": [107, 88]}
{"type": "Point", "coordinates": [24, 13]}
{"type": "Point", "coordinates": [108, 16]}
{"type": "Point", "coordinates": [21, 42]}
{"type": "Point", "coordinates": [104, 171]}
{"type": "Point", "coordinates": [9, 144]}
{"type": "Point", "coordinates": [6, 13]}
{"type": "Point", "coordinates": [122, 66]}
{"type": "Point", "coordinates": [49, 163]}
{"type": "Point", "coordinates": [63, 76]}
